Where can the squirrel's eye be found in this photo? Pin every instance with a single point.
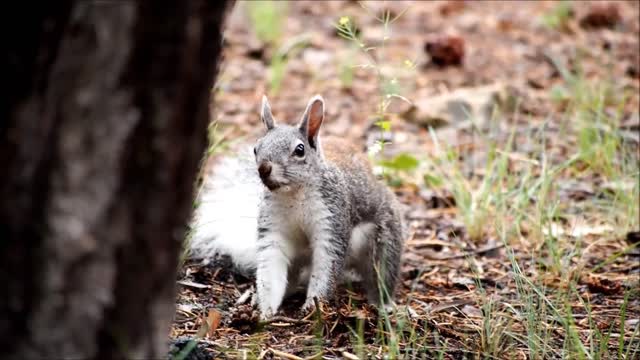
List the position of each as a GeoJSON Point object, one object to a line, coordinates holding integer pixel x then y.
{"type": "Point", "coordinates": [299, 151]}
{"type": "Point", "coordinates": [255, 152]}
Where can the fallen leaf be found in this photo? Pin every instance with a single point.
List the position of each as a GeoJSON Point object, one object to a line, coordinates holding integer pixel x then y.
{"type": "Point", "coordinates": [603, 285]}
{"type": "Point", "coordinates": [213, 321]}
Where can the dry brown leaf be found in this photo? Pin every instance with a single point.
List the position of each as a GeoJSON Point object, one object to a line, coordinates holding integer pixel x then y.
{"type": "Point", "coordinates": [213, 321]}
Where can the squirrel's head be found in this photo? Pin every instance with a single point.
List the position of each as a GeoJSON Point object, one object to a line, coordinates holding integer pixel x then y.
{"type": "Point", "coordinates": [287, 156]}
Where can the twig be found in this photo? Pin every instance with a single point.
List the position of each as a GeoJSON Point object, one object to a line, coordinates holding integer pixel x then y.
{"type": "Point", "coordinates": [285, 355]}
{"type": "Point", "coordinates": [453, 304]}
{"type": "Point", "coordinates": [245, 296]}
{"type": "Point", "coordinates": [466, 254]}
{"type": "Point", "coordinates": [193, 284]}
{"type": "Point", "coordinates": [262, 354]}
{"type": "Point", "coordinates": [309, 315]}
{"type": "Point", "coordinates": [350, 356]}
{"type": "Point", "coordinates": [285, 319]}
{"type": "Point", "coordinates": [314, 356]}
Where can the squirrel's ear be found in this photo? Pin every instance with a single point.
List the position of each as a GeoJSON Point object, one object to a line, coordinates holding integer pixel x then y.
{"type": "Point", "coordinates": [312, 119]}
{"type": "Point", "coordinates": [265, 113]}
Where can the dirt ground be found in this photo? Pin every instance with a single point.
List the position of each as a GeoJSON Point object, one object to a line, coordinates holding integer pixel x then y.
{"type": "Point", "coordinates": [447, 275]}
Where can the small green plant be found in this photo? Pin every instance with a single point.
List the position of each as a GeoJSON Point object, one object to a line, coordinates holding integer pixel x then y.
{"type": "Point", "coordinates": [278, 65]}
{"type": "Point", "coordinates": [267, 18]}
{"type": "Point", "coordinates": [216, 141]}
{"type": "Point", "coordinates": [388, 85]}
{"type": "Point", "coordinates": [346, 66]}
{"type": "Point", "coordinates": [559, 16]}
{"type": "Point", "coordinates": [475, 204]}
{"type": "Point", "coordinates": [277, 69]}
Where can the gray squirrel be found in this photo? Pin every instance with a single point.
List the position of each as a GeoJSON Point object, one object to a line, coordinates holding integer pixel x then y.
{"type": "Point", "coordinates": [319, 214]}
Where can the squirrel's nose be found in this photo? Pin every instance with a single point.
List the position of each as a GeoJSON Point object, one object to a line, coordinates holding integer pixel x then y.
{"type": "Point", "coordinates": [264, 170]}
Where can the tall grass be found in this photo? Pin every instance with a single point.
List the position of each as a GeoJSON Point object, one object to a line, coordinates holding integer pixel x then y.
{"type": "Point", "coordinates": [524, 205]}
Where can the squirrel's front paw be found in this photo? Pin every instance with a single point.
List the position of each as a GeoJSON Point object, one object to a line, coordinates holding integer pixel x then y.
{"type": "Point", "coordinates": [266, 311]}
{"type": "Point", "coordinates": [264, 316]}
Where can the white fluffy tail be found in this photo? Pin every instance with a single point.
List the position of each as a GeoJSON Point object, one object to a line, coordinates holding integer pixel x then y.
{"type": "Point", "coordinates": [225, 220]}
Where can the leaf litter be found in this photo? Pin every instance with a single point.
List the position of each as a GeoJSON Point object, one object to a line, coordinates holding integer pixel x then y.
{"type": "Point", "coordinates": [460, 297]}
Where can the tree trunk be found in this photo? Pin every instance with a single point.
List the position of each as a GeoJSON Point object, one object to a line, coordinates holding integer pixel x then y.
{"type": "Point", "coordinates": [100, 141]}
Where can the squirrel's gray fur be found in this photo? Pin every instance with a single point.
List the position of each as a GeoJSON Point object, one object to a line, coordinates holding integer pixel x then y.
{"type": "Point", "coordinates": [323, 213]}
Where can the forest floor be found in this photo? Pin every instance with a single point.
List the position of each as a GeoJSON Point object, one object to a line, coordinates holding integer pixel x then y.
{"type": "Point", "coordinates": [517, 158]}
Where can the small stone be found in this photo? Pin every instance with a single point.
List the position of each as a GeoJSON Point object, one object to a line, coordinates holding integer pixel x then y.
{"type": "Point", "coordinates": [601, 15]}
{"type": "Point", "coordinates": [446, 50]}
{"type": "Point", "coordinates": [632, 71]}
{"type": "Point", "coordinates": [459, 106]}
{"type": "Point", "coordinates": [316, 58]}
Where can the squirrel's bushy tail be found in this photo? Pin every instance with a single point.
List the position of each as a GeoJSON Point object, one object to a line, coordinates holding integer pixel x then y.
{"type": "Point", "coordinates": [225, 219]}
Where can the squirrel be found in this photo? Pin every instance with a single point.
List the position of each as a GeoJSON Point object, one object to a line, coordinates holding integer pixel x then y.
{"type": "Point", "coordinates": [319, 215]}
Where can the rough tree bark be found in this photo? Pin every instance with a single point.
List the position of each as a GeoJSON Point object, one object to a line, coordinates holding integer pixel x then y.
{"type": "Point", "coordinates": [100, 140]}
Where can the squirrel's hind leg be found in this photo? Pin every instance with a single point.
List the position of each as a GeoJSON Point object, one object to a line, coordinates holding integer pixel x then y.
{"type": "Point", "coordinates": [381, 273]}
